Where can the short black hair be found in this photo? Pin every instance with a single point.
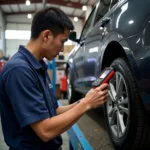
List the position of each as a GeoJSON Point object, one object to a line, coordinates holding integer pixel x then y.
{"type": "Point", "coordinates": [53, 19]}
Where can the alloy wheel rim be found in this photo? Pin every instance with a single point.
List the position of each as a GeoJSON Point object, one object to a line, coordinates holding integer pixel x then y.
{"type": "Point", "coordinates": [118, 105]}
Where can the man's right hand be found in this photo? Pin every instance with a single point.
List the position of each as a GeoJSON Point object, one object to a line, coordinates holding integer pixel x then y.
{"type": "Point", "coordinates": [96, 96]}
{"type": "Point", "coordinates": [49, 128]}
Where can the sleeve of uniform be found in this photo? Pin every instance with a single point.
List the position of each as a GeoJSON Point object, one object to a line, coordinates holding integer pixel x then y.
{"type": "Point", "coordinates": [25, 96]}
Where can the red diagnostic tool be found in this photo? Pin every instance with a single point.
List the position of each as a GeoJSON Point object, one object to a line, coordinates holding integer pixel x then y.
{"type": "Point", "coordinates": [105, 76]}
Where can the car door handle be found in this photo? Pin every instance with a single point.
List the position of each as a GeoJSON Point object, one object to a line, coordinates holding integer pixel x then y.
{"type": "Point", "coordinates": [104, 22]}
{"type": "Point", "coordinates": [81, 44]}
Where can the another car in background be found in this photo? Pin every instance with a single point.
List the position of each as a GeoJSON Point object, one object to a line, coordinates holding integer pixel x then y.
{"type": "Point", "coordinates": [117, 34]}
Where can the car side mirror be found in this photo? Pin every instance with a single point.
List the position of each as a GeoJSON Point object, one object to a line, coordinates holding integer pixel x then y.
{"type": "Point", "coordinates": [73, 36]}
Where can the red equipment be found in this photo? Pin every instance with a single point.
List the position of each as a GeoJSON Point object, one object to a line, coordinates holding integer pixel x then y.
{"type": "Point", "coordinates": [2, 63]}
{"type": "Point", "coordinates": [63, 84]}
{"type": "Point", "coordinates": [105, 76]}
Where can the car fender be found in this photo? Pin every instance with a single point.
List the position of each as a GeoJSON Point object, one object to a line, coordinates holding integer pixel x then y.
{"type": "Point", "coordinates": [125, 47]}
{"type": "Point", "coordinates": [129, 52]}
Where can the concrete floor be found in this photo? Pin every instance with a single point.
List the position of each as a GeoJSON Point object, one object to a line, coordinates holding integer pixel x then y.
{"type": "Point", "coordinates": [3, 146]}
{"type": "Point", "coordinates": [92, 125]}
{"type": "Point", "coordinates": [65, 137]}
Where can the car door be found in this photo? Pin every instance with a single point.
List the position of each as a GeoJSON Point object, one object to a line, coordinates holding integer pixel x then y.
{"type": "Point", "coordinates": [94, 38]}
{"type": "Point", "coordinates": [79, 57]}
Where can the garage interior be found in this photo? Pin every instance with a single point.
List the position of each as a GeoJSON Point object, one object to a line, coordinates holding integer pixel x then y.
{"type": "Point", "coordinates": [91, 131]}
{"type": "Point", "coordinates": [15, 23]}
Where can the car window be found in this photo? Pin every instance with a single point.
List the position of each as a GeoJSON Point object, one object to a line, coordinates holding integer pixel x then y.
{"type": "Point", "coordinates": [88, 24]}
{"type": "Point", "coordinates": [104, 7]}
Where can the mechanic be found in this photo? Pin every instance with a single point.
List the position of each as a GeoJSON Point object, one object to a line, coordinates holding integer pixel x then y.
{"type": "Point", "coordinates": [30, 116]}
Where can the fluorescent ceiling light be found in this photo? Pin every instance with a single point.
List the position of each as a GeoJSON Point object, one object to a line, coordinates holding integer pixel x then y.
{"type": "Point", "coordinates": [75, 19]}
{"type": "Point", "coordinates": [29, 16]}
{"type": "Point", "coordinates": [84, 8]}
{"type": "Point", "coordinates": [28, 2]}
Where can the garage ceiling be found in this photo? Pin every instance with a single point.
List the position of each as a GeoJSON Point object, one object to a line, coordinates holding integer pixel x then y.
{"type": "Point", "coordinates": [71, 7]}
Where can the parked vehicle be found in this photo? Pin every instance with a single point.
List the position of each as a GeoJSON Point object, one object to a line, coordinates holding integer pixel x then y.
{"type": "Point", "coordinates": [117, 34]}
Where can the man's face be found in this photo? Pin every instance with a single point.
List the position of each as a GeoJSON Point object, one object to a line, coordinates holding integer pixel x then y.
{"type": "Point", "coordinates": [54, 45]}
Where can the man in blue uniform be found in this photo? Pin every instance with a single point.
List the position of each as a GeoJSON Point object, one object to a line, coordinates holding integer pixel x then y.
{"type": "Point", "coordinates": [31, 118]}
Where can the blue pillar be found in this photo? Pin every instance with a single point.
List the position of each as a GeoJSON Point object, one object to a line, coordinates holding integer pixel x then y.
{"type": "Point", "coordinates": [54, 75]}
{"type": "Point", "coordinates": [52, 66]}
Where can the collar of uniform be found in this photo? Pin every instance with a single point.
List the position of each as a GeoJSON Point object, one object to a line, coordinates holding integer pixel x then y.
{"type": "Point", "coordinates": [31, 59]}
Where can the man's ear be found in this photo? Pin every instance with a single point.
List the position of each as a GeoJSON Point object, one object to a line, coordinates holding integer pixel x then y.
{"type": "Point", "coordinates": [47, 35]}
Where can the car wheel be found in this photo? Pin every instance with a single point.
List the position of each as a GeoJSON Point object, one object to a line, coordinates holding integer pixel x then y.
{"type": "Point", "coordinates": [124, 113]}
{"type": "Point", "coordinates": [73, 95]}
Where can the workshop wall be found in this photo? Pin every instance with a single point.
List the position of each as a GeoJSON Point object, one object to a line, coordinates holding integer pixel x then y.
{"type": "Point", "coordinates": [21, 22]}
{"type": "Point", "coordinates": [13, 44]}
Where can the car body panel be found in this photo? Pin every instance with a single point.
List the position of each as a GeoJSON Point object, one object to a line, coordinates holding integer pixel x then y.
{"type": "Point", "coordinates": [125, 28]}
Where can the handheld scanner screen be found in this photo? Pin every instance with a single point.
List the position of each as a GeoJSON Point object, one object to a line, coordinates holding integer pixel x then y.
{"type": "Point", "coordinates": [105, 76]}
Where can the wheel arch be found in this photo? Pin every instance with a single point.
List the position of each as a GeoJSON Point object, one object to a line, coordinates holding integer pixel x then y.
{"type": "Point", "coordinates": [114, 50]}
{"type": "Point", "coordinates": [109, 55]}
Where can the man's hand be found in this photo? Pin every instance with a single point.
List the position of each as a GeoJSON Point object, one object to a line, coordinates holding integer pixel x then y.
{"type": "Point", "coordinates": [49, 128]}
{"type": "Point", "coordinates": [96, 97]}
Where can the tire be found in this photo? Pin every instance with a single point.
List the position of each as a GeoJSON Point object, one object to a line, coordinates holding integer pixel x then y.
{"type": "Point", "coordinates": [126, 119]}
{"type": "Point", "coordinates": [72, 94]}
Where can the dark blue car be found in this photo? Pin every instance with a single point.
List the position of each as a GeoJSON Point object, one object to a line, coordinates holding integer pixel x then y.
{"type": "Point", "coordinates": [117, 34]}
